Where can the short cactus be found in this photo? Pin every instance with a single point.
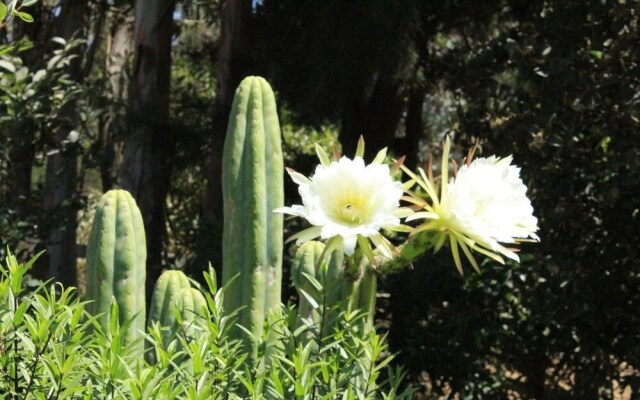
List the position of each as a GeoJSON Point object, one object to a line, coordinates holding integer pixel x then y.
{"type": "Point", "coordinates": [305, 265]}
{"type": "Point", "coordinates": [165, 293]}
{"type": "Point", "coordinates": [192, 304]}
{"type": "Point", "coordinates": [116, 257]}
{"type": "Point", "coordinates": [307, 271]}
{"type": "Point", "coordinates": [325, 285]}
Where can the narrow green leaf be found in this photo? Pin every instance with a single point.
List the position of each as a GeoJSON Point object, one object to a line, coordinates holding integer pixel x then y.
{"type": "Point", "coordinates": [26, 17]}
{"type": "Point", "coordinates": [598, 55]}
{"type": "Point", "coordinates": [310, 299]}
{"type": "Point", "coordinates": [3, 11]}
{"type": "Point", "coordinates": [18, 316]}
{"type": "Point", "coordinates": [6, 49]}
{"type": "Point", "coordinates": [8, 66]}
{"type": "Point", "coordinates": [311, 279]}
{"type": "Point", "coordinates": [61, 41]}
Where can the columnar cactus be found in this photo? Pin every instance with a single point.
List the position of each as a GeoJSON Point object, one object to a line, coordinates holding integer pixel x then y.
{"type": "Point", "coordinates": [328, 286]}
{"type": "Point", "coordinates": [116, 257]}
{"type": "Point", "coordinates": [367, 288]}
{"type": "Point", "coordinates": [328, 273]}
{"type": "Point", "coordinates": [165, 293]}
{"type": "Point", "coordinates": [252, 185]}
{"type": "Point", "coordinates": [306, 264]}
{"type": "Point", "coordinates": [361, 283]}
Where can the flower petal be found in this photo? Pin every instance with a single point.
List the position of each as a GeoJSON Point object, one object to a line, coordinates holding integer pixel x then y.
{"type": "Point", "coordinates": [298, 178]}
{"type": "Point", "coordinates": [422, 215]}
{"type": "Point", "coordinates": [305, 235]}
{"type": "Point", "coordinates": [380, 156]}
{"type": "Point", "coordinates": [297, 210]}
{"type": "Point", "coordinates": [322, 155]}
{"type": "Point", "coordinates": [349, 244]}
{"type": "Point", "coordinates": [403, 212]}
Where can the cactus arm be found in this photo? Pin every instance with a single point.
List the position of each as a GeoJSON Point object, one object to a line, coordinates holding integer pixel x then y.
{"type": "Point", "coordinates": [101, 257]}
{"type": "Point", "coordinates": [233, 180]}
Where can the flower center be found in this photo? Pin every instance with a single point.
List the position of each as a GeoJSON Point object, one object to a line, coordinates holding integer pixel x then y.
{"type": "Point", "coordinates": [351, 214]}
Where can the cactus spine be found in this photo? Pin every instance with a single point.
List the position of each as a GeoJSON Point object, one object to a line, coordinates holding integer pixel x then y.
{"type": "Point", "coordinates": [116, 257]}
{"type": "Point", "coordinates": [252, 185]}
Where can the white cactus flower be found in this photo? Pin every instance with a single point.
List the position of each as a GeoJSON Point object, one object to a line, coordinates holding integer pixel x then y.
{"type": "Point", "coordinates": [489, 199]}
{"type": "Point", "coordinates": [348, 203]}
{"type": "Point", "coordinates": [482, 208]}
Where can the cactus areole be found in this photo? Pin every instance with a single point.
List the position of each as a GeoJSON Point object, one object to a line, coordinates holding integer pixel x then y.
{"type": "Point", "coordinates": [116, 257]}
{"type": "Point", "coordinates": [252, 186]}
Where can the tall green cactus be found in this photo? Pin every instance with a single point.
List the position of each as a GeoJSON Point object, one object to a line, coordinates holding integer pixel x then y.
{"type": "Point", "coordinates": [165, 293]}
{"type": "Point", "coordinates": [116, 257]}
{"type": "Point", "coordinates": [252, 185]}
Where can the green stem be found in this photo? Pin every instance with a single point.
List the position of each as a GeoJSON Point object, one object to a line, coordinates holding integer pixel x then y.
{"type": "Point", "coordinates": [415, 248]}
{"type": "Point", "coordinates": [367, 297]}
{"type": "Point", "coordinates": [16, 385]}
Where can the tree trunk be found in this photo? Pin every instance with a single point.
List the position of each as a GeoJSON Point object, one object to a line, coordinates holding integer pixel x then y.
{"type": "Point", "coordinates": [61, 177]}
{"type": "Point", "coordinates": [148, 146]}
{"type": "Point", "coordinates": [21, 157]}
{"type": "Point", "coordinates": [119, 49]}
{"type": "Point", "coordinates": [414, 127]}
{"type": "Point", "coordinates": [375, 117]}
{"type": "Point", "coordinates": [59, 191]}
{"type": "Point", "coordinates": [234, 61]}
{"type": "Point", "coordinates": [22, 135]}
{"type": "Point", "coordinates": [376, 110]}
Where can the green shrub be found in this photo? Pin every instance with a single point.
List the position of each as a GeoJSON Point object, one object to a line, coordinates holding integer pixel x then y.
{"type": "Point", "coordinates": [51, 348]}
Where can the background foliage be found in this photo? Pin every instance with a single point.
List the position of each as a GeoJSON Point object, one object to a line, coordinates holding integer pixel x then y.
{"type": "Point", "coordinates": [556, 83]}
